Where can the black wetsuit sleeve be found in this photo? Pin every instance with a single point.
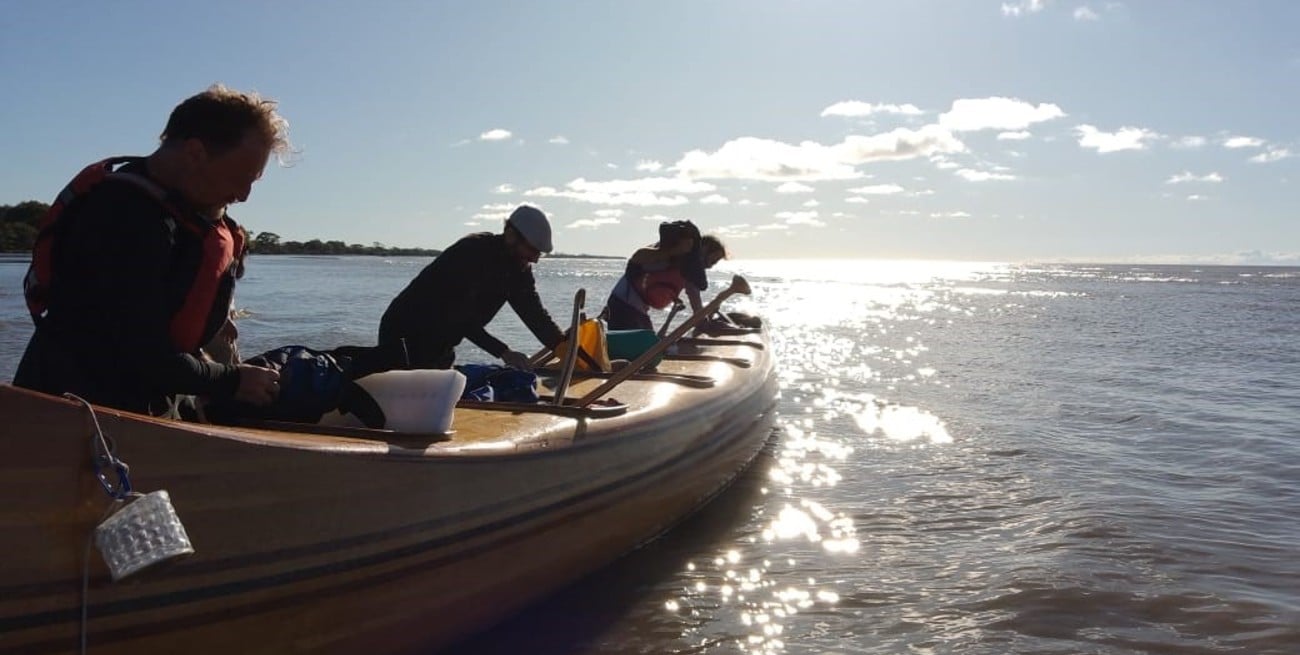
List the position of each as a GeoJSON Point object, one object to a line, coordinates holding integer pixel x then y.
{"type": "Point", "coordinates": [527, 304]}
{"type": "Point", "coordinates": [490, 344]}
{"type": "Point", "coordinates": [130, 250]}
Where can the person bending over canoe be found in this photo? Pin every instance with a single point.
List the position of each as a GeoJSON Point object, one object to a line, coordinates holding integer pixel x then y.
{"type": "Point", "coordinates": [132, 271]}
{"type": "Point", "coordinates": [459, 293]}
{"type": "Point", "coordinates": [657, 274]}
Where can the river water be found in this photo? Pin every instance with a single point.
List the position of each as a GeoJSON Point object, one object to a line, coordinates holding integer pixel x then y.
{"type": "Point", "coordinates": [972, 458]}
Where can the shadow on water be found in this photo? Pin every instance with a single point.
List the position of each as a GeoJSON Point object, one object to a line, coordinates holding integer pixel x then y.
{"type": "Point", "coordinates": [573, 619]}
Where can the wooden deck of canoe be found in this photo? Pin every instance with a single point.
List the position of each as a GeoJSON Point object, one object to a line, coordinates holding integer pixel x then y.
{"type": "Point", "coordinates": [369, 542]}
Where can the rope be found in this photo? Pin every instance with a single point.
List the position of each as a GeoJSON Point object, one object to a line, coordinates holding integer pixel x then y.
{"type": "Point", "coordinates": [85, 574]}
{"type": "Point", "coordinates": [103, 451]}
{"type": "Point", "coordinates": [104, 457]}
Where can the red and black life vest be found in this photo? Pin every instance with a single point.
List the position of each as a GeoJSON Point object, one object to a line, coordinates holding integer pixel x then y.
{"type": "Point", "coordinates": [220, 240]}
{"type": "Point", "coordinates": [659, 288]}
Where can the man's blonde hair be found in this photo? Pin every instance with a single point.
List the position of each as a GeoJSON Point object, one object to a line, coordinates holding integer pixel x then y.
{"type": "Point", "coordinates": [221, 117]}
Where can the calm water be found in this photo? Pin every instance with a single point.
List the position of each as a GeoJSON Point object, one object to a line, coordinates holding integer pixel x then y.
{"type": "Point", "coordinates": [972, 458]}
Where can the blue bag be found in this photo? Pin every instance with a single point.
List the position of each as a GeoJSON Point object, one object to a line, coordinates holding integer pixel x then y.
{"type": "Point", "coordinates": [491, 382]}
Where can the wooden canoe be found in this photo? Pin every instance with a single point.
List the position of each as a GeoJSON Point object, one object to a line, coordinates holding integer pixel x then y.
{"type": "Point", "coordinates": [369, 541]}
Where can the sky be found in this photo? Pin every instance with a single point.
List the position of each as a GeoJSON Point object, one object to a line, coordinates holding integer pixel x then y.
{"type": "Point", "coordinates": [1020, 131]}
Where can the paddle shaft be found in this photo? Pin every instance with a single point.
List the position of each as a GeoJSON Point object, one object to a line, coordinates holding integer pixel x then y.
{"type": "Point", "coordinates": [738, 285]}
{"type": "Point", "coordinates": [677, 307]}
{"type": "Point", "coordinates": [571, 356]}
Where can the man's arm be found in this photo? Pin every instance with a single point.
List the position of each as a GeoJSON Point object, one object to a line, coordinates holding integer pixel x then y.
{"type": "Point", "coordinates": [528, 305]}
{"type": "Point", "coordinates": [490, 344]}
{"type": "Point", "coordinates": [693, 295]}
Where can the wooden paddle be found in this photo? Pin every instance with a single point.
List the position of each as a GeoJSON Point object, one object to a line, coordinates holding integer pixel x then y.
{"type": "Point", "coordinates": [571, 355]}
{"type": "Point", "coordinates": [738, 285]}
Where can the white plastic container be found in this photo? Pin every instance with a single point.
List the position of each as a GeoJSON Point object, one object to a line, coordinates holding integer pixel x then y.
{"type": "Point", "coordinates": [413, 401]}
{"type": "Point", "coordinates": [144, 532]}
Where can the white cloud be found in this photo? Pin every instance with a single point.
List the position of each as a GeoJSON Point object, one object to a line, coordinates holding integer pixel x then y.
{"type": "Point", "coordinates": [972, 175]}
{"type": "Point", "coordinates": [764, 159]}
{"type": "Point", "coordinates": [1085, 13]}
{"type": "Point", "coordinates": [956, 214]}
{"type": "Point", "coordinates": [715, 199]}
{"type": "Point", "coordinates": [857, 200]}
{"type": "Point", "coordinates": [738, 231]}
{"type": "Point", "coordinates": [1196, 196]}
{"type": "Point", "coordinates": [1023, 7]}
{"type": "Point", "coordinates": [1271, 155]}
{"type": "Point", "coordinates": [794, 187]}
{"type": "Point", "coordinates": [503, 188]}
{"type": "Point", "coordinates": [1188, 176]}
{"type": "Point", "coordinates": [648, 165]}
{"type": "Point", "coordinates": [996, 113]}
{"type": "Point", "coordinates": [801, 218]}
{"type": "Point", "coordinates": [559, 140]}
{"type": "Point", "coordinates": [1127, 138]}
{"type": "Point", "coordinates": [859, 108]}
{"type": "Point", "coordinates": [1190, 142]}
{"type": "Point", "coordinates": [496, 134]}
{"type": "Point", "coordinates": [644, 192]}
{"type": "Point", "coordinates": [591, 223]}
{"type": "Point", "coordinates": [877, 189]}
{"type": "Point", "coordinates": [1242, 142]}
{"type": "Point", "coordinates": [812, 203]}
{"type": "Point", "coordinates": [1013, 136]}
{"type": "Point", "coordinates": [752, 158]}
{"type": "Point", "coordinates": [899, 144]}
{"type": "Point", "coordinates": [658, 218]}
{"type": "Point", "coordinates": [608, 213]}
{"type": "Point", "coordinates": [774, 226]}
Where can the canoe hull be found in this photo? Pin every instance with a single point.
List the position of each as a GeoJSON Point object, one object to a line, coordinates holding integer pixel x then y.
{"type": "Point", "coordinates": [347, 546]}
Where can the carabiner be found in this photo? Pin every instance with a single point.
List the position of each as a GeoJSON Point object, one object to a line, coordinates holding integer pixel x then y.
{"type": "Point", "coordinates": [104, 465]}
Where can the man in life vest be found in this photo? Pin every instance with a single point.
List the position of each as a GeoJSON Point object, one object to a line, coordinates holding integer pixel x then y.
{"type": "Point", "coordinates": [657, 274]}
{"type": "Point", "coordinates": [460, 292]}
{"type": "Point", "coordinates": [132, 271]}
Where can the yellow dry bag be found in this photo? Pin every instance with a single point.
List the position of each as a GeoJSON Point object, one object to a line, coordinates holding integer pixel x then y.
{"type": "Point", "coordinates": [593, 355]}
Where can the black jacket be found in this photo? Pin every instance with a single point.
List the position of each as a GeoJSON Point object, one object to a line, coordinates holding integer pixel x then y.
{"type": "Point", "coordinates": [122, 269]}
{"type": "Point", "coordinates": [458, 294]}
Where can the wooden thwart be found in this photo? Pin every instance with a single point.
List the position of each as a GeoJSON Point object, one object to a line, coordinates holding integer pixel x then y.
{"type": "Point", "coordinates": [734, 361]}
{"type": "Point", "coordinates": [684, 379]}
{"type": "Point", "coordinates": [695, 341]}
{"type": "Point", "coordinates": [548, 406]}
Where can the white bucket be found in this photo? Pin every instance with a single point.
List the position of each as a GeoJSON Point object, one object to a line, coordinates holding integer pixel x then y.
{"type": "Point", "coordinates": [144, 532]}
{"type": "Point", "coordinates": [416, 401]}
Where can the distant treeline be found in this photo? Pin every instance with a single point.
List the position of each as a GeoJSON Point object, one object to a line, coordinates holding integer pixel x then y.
{"type": "Point", "coordinates": [269, 243]}
{"type": "Point", "coordinates": [18, 225]}
{"type": "Point", "coordinates": [18, 233]}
